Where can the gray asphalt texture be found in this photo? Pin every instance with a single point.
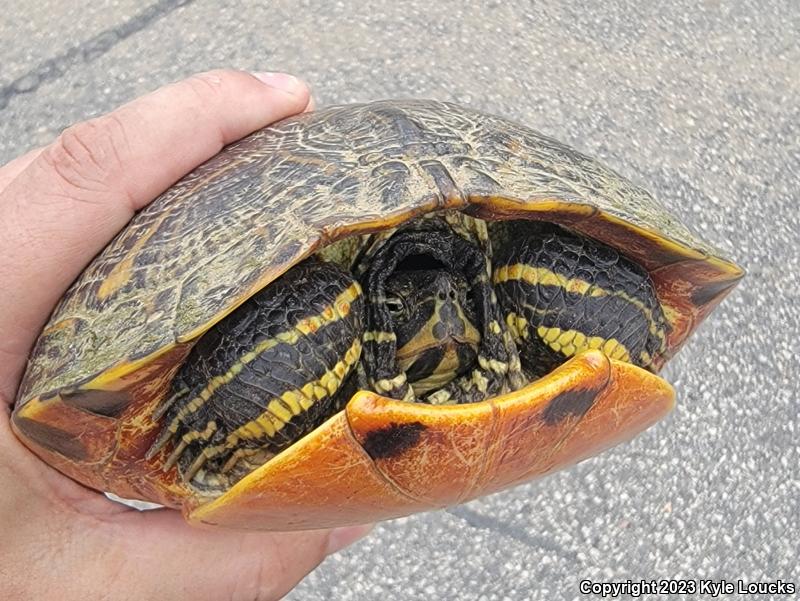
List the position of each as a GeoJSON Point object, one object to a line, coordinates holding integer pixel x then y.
{"type": "Point", "coordinates": [696, 101]}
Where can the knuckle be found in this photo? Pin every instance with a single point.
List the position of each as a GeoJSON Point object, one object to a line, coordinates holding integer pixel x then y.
{"type": "Point", "coordinates": [87, 156]}
{"type": "Point", "coordinates": [209, 85]}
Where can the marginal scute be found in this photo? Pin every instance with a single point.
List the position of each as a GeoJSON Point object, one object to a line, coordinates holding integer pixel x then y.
{"type": "Point", "coordinates": [711, 291]}
{"type": "Point", "coordinates": [106, 403]}
{"type": "Point", "coordinates": [52, 438]}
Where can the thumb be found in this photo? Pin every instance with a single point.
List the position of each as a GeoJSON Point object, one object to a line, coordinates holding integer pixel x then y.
{"type": "Point", "coordinates": [60, 205]}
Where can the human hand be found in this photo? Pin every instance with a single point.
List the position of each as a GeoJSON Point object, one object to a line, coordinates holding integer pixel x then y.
{"type": "Point", "coordinates": [59, 206]}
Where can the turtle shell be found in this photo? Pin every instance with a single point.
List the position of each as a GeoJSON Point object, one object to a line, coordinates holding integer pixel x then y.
{"type": "Point", "coordinates": [266, 202]}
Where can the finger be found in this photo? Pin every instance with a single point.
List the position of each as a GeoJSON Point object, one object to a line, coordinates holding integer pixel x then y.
{"type": "Point", "coordinates": [10, 171]}
{"type": "Point", "coordinates": [178, 561]}
{"type": "Point", "coordinates": [71, 199]}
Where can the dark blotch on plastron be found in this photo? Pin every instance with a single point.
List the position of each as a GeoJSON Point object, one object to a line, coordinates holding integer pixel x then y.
{"type": "Point", "coordinates": [392, 440]}
{"type": "Point", "coordinates": [51, 438]}
{"type": "Point", "coordinates": [572, 403]}
{"type": "Point", "coordinates": [105, 403]}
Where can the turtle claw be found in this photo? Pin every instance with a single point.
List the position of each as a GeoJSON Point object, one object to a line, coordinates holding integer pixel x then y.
{"type": "Point", "coordinates": [197, 464]}
{"type": "Point", "coordinates": [175, 455]}
{"type": "Point", "coordinates": [164, 406]}
{"type": "Point", "coordinates": [163, 438]}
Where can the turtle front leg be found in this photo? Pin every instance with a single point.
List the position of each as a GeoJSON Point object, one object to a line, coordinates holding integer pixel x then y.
{"type": "Point", "coordinates": [379, 343]}
{"type": "Point", "coordinates": [265, 376]}
{"type": "Point", "coordinates": [562, 293]}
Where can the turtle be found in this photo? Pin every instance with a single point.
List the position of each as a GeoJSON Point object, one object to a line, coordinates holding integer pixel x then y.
{"type": "Point", "coordinates": [364, 312]}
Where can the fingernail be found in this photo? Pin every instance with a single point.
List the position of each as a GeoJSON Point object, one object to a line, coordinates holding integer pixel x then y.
{"type": "Point", "coordinates": [280, 81]}
{"type": "Point", "coordinates": [340, 538]}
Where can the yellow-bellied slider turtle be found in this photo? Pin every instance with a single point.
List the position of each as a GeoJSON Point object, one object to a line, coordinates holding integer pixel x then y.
{"type": "Point", "coordinates": [364, 312]}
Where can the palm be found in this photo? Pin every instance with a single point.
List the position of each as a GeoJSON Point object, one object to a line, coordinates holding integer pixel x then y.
{"type": "Point", "coordinates": [92, 529]}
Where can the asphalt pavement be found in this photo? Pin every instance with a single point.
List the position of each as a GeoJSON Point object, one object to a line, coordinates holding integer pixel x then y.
{"type": "Point", "coordinates": [697, 101]}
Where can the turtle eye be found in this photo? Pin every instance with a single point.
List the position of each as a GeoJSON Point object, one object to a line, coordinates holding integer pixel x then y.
{"type": "Point", "coordinates": [395, 305]}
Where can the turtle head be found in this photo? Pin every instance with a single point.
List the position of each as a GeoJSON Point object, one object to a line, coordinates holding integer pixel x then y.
{"type": "Point", "coordinates": [435, 324]}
